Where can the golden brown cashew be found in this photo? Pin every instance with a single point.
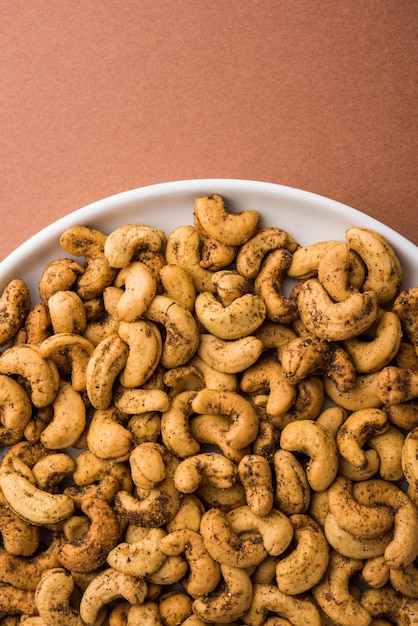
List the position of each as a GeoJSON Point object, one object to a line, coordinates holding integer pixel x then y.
{"type": "Point", "coordinates": [292, 491]}
{"type": "Point", "coordinates": [304, 566]}
{"type": "Point", "coordinates": [34, 505]}
{"type": "Point", "coordinates": [68, 420]}
{"type": "Point", "coordinates": [229, 356]}
{"type": "Point", "coordinates": [340, 271]}
{"type": "Point", "coordinates": [49, 471]}
{"type": "Point", "coordinates": [124, 242]}
{"type": "Point", "coordinates": [19, 538]}
{"type": "Point", "coordinates": [182, 335]}
{"type": "Point", "coordinates": [311, 438]}
{"type": "Point", "coordinates": [354, 472]}
{"type": "Point", "coordinates": [335, 321]}
{"type": "Point", "coordinates": [389, 446]}
{"type": "Point", "coordinates": [384, 271]}
{"type": "Point", "coordinates": [268, 375]}
{"type": "Point", "coordinates": [232, 229]}
{"type": "Point", "coordinates": [383, 602]}
{"type": "Point", "coordinates": [140, 556]}
{"type": "Point", "coordinates": [175, 606]}
{"type": "Point", "coordinates": [89, 242]}
{"type": "Point", "coordinates": [350, 545]}
{"type": "Point", "coordinates": [90, 469]}
{"type": "Point", "coordinates": [244, 421]}
{"type": "Point", "coordinates": [215, 255]}
{"type": "Point", "coordinates": [208, 466]}
{"type": "Point", "coordinates": [90, 553]}
{"type": "Point", "coordinates": [305, 260]}
{"type": "Point", "coordinates": [175, 428]}
{"type": "Point", "coordinates": [235, 321]}
{"type": "Point", "coordinates": [375, 572]}
{"type": "Point", "coordinates": [14, 307]}
{"type": "Point", "coordinates": [214, 379]}
{"type": "Point", "coordinates": [356, 430]}
{"type": "Point", "coordinates": [25, 573]}
{"type": "Point", "coordinates": [406, 307]}
{"type": "Point", "coordinates": [140, 288]}
{"type": "Point", "coordinates": [58, 275]}
{"type": "Point", "coordinates": [269, 285]}
{"type": "Point", "coordinates": [307, 356]}
{"type": "Point", "coordinates": [299, 611]}
{"type": "Point", "coordinates": [396, 385]}
{"type": "Point", "coordinates": [252, 252]}
{"type": "Point", "coordinates": [211, 430]}
{"type": "Point", "coordinates": [204, 572]}
{"type": "Point", "coordinates": [15, 410]}
{"type": "Point", "coordinates": [230, 602]}
{"type": "Point", "coordinates": [67, 312]}
{"type": "Point", "coordinates": [226, 546]}
{"type": "Point", "coordinates": [178, 285]}
{"type": "Point", "coordinates": [41, 374]}
{"type": "Point", "coordinates": [308, 403]}
{"type": "Point", "coordinates": [106, 362]}
{"type": "Point", "coordinates": [275, 528]}
{"type": "Point", "coordinates": [333, 595]}
{"type": "Point", "coordinates": [362, 520]}
{"type": "Point", "coordinates": [145, 349]}
{"type": "Point", "coordinates": [108, 323]}
{"type": "Point", "coordinates": [156, 506]}
{"type": "Point", "coordinates": [106, 587]}
{"type": "Point", "coordinates": [255, 475]}
{"type": "Point", "coordinates": [76, 349]}
{"type": "Point", "coordinates": [172, 571]}
{"type": "Point", "coordinates": [15, 601]}
{"type": "Point", "coordinates": [409, 458]}
{"type": "Point", "coordinates": [369, 356]}
{"type": "Point", "coordinates": [275, 336]}
{"type": "Point", "coordinates": [405, 580]}
{"type": "Point", "coordinates": [107, 435]}
{"type": "Point", "coordinates": [362, 395]}
{"type": "Point", "coordinates": [230, 285]}
{"type": "Point", "coordinates": [183, 248]}
{"type": "Point", "coordinates": [183, 378]}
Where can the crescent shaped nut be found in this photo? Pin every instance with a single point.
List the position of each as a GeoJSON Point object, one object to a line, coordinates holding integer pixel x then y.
{"type": "Point", "coordinates": [122, 243]}
{"type": "Point", "coordinates": [235, 321]}
{"type": "Point", "coordinates": [232, 229]}
{"type": "Point", "coordinates": [106, 362]}
{"type": "Point", "coordinates": [14, 307]}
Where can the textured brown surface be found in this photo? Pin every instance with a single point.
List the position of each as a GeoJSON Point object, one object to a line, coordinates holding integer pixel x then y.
{"type": "Point", "coordinates": [98, 97]}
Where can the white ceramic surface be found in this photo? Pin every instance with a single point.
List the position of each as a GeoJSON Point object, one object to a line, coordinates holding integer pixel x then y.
{"type": "Point", "coordinates": [306, 216]}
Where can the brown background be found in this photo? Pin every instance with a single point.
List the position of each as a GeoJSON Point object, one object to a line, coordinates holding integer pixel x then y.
{"type": "Point", "coordinates": [101, 96]}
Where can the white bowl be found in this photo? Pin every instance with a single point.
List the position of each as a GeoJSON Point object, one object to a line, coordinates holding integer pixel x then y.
{"type": "Point", "coordinates": [306, 216]}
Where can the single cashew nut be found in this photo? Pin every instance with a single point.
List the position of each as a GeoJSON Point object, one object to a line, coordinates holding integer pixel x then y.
{"type": "Point", "coordinates": [14, 307]}
{"type": "Point", "coordinates": [292, 491]}
{"type": "Point", "coordinates": [175, 429]}
{"type": "Point", "coordinates": [107, 435]}
{"type": "Point", "coordinates": [304, 566]}
{"type": "Point", "coordinates": [269, 285]}
{"type": "Point", "coordinates": [340, 270]}
{"type": "Point", "coordinates": [231, 602]}
{"type": "Point", "coordinates": [67, 312]}
{"type": "Point", "coordinates": [106, 362]}
{"type": "Point", "coordinates": [384, 271]}
{"type": "Point", "coordinates": [235, 321]}
{"type": "Point", "coordinates": [335, 321]}
{"type": "Point", "coordinates": [182, 334]}
{"type": "Point", "coordinates": [229, 285]}
{"type": "Point", "coordinates": [298, 611]}
{"type": "Point", "coordinates": [123, 243]}
{"type": "Point", "coordinates": [356, 430]}
{"type": "Point", "coordinates": [208, 466]}
{"type": "Point", "coordinates": [244, 420]}
{"type": "Point", "coordinates": [183, 248]}
{"type": "Point", "coordinates": [15, 410]}
{"type": "Point", "coordinates": [178, 285]}
{"type": "Point", "coordinates": [211, 430]}
{"type": "Point", "coordinates": [204, 572]}
{"type": "Point", "coordinates": [275, 528]}
{"type": "Point", "coordinates": [145, 348]}
{"type": "Point", "coordinates": [229, 356]}
{"type": "Point", "coordinates": [253, 251]}
{"type": "Point", "coordinates": [232, 229]}
{"type": "Point", "coordinates": [140, 288]}
{"type": "Point", "coordinates": [40, 374]}
{"type": "Point", "coordinates": [352, 546]}
{"type": "Point", "coordinates": [268, 375]}
{"type": "Point", "coordinates": [255, 475]}
{"type": "Point", "coordinates": [68, 421]}
{"type": "Point", "coordinates": [306, 259]}
{"type": "Point", "coordinates": [396, 385]}
{"type": "Point", "coordinates": [76, 349]}
{"type": "Point", "coordinates": [141, 556]}
{"type": "Point", "coordinates": [58, 275]}
{"type": "Point", "coordinates": [406, 307]}
{"type": "Point", "coordinates": [362, 395]}
{"type": "Point", "coordinates": [315, 441]}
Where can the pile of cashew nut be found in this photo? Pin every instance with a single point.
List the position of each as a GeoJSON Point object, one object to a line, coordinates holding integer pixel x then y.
{"type": "Point", "coordinates": [211, 426]}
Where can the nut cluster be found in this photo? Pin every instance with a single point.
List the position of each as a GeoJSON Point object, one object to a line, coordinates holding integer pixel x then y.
{"type": "Point", "coordinates": [215, 426]}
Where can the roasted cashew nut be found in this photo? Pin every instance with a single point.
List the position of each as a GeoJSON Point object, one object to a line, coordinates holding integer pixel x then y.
{"type": "Point", "coordinates": [140, 556]}
{"type": "Point", "coordinates": [311, 438]}
{"type": "Point", "coordinates": [58, 275]}
{"type": "Point", "coordinates": [215, 255]}
{"type": "Point", "coordinates": [107, 586]}
{"type": "Point", "coordinates": [370, 356]}
{"type": "Point", "coordinates": [396, 385]}
{"type": "Point", "coordinates": [140, 288]}
{"type": "Point", "coordinates": [269, 285]}
{"type": "Point", "coordinates": [255, 475]}
{"type": "Point", "coordinates": [333, 595]}
{"type": "Point", "coordinates": [268, 598]}
{"type": "Point", "coordinates": [307, 405]}
{"type": "Point", "coordinates": [229, 603]}
{"type": "Point", "coordinates": [292, 491]}
{"type": "Point", "coordinates": [389, 447]}
{"type": "Point", "coordinates": [229, 356]}
{"type": "Point", "coordinates": [384, 271]}
{"type": "Point", "coordinates": [98, 274]}
{"type": "Point", "coordinates": [182, 335]}
{"type": "Point", "coordinates": [40, 374]}
{"type": "Point", "coordinates": [50, 470]}
{"type": "Point", "coordinates": [211, 430]}
{"type": "Point", "coordinates": [253, 251]}
{"type": "Point", "coordinates": [14, 307]}
{"type": "Point", "coordinates": [123, 243]}
{"type": "Point", "coordinates": [19, 538]}
{"type": "Point", "coordinates": [107, 435]}
{"type": "Point", "coordinates": [145, 348]}
{"type": "Point", "coordinates": [405, 307]}
{"type": "Point", "coordinates": [232, 229]}
{"type": "Point", "coordinates": [208, 466]}
{"type": "Point", "coordinates": [90, 553]}
{"type": "Point", "coordinates": [266, 375]}
{"type": "Point", "coordinates": [105, 364]}
{"type": "Point", "coordinates": [68, 420]}
{"type": "Point", "coordinates": [90, 469]}
{"type": "Point", "coordinates": [183, 248]}
{"type": "Point", "coordinates": [352, 546]}
{"type": "Point", "coordinates": [340, 271]}
{"type": "Point", "coordinates": [244, 421]}
{"type": "Point", "coordinates": [178, 285]}
{"type": "Point", "coordinates": [362, 394]}
{"type": "Point", "coordinates": [335, 321]}
{"type": "Point", "coordinates": [303, 567]}
{"type": "Point", "coordinates": [356, 430]}
{"type": "Point", "coordinates": [230, 285]}
{"type": "Point", "coordinates": [237, 320]}
{"type": "Point", "coordinates": [175, 427]}
{"type": "Point", "coordinates": [76, 349]}
{"type": "Point", "coordinates": [67, 313]}
{"type": "Point", "coordinates": [306, 259]}
{"type": "Point", "coordinates": [204, 572]}
{"type": "Point", "coordinates": [15, 410]}
{"type": "Point", "coordinates": [275, 336]}
{"type": "Point", "coordinates": [275, 528]}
